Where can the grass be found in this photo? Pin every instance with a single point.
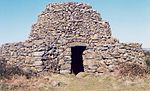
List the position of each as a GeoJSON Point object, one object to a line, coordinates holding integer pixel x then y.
{"type": "Point", "coordinates": [72, 83]}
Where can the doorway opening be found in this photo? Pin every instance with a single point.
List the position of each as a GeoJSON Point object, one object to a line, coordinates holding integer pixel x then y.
{"type": "Point", "coordinates": [77, 59]}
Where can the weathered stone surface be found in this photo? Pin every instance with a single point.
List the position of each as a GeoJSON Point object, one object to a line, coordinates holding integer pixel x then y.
{"type": "Point", "coordinates": [38, 54]}
{"type": "Point", "coordinates": [82, 75]}
{"type": "Point", "coordinates": [37, 63]}
{"type": "Point", "coordinates": [65, 71]}
{"type": "Point", "coordinates": [3, 62]}
{"type": "Point", "coordinates": [55, 83]}
{"type": "Point", "coordinates": [64, 25]}
{"type": "Point", "coordinates": [2, 65]}
{"type": "Point", "coordinates": [102, 70]}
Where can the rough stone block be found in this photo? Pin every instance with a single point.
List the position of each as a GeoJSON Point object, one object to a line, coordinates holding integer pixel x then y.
{"type": "Point", "coordinates": [38, 54]}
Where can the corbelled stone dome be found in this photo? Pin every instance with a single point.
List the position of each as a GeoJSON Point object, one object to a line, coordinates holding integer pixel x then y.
{"type": "Point", "coordinates": [71, 37]}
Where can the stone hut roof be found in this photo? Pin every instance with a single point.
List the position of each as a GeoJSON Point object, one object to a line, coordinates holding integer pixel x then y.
{"type": "Point", "coordinates": [66, 31]}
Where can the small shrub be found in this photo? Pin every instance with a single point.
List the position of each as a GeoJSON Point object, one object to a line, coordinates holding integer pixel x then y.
{"type": "Point", "coordinates": [133, 70]}
{"type": "Point", "coordinates": [7, 71]}
{"type": "Point", "coordinates": [147, 60]}
{"type": "Point", "coordinates": [4, 87]}
{"type": "Point", "coordinates": [15, 87]}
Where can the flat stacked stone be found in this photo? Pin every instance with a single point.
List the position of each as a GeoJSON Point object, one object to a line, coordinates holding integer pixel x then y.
{"type": "Point", "coordinates": [64, 25]}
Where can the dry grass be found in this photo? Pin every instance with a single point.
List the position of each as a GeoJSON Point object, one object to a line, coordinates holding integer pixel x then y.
{"type": "Point", "coordinates": [57, 82]}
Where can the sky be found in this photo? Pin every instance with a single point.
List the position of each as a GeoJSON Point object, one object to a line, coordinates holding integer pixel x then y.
{"type": "Point", "coordinates": [129, 19]}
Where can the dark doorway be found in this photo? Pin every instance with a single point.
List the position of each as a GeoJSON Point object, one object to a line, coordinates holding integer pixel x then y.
{"type": "Point", "coordinates": [77, 60]}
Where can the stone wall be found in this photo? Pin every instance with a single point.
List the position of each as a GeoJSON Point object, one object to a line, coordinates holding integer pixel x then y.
{"type": "Point", "coordinates": [64, 25]}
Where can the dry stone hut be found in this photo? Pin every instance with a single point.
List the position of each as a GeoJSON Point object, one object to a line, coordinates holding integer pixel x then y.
{"type": "Point", "coordinates": [71, 38]}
